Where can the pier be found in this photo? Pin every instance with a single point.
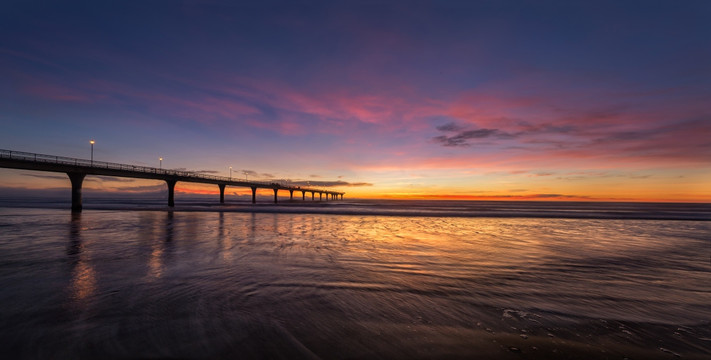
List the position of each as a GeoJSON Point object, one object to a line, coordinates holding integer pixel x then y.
{"type": "Point", "coordinates": [78, 169]}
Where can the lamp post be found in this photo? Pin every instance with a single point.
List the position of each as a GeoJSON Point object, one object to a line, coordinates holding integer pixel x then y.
{"type": "Point", "coordinates": [246, 174]}
{"type": "Point", "coordinates": [230, 173]}
{"type": "Point", "coordinates": [160, 163]}
{"type": "Point", "coordinates": [92, 151]}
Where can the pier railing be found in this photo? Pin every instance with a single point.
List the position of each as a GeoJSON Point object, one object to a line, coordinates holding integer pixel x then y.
{"type": "Point", "coordinates": [62, 160]}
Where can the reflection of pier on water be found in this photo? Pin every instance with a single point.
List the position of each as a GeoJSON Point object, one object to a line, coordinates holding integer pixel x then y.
{"type": "Point", "coordinates": [83, 275]}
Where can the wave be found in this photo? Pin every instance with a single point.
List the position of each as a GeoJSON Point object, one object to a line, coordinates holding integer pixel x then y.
{"type": "Point", "coordinates": [410, 208]}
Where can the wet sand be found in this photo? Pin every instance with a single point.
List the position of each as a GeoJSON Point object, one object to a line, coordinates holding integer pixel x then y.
{"type": "Point", "coordinates": [153, 284]}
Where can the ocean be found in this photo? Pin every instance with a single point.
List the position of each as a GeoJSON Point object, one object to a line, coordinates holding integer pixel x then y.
{"type": "Point", "coordinates": [355, 279]}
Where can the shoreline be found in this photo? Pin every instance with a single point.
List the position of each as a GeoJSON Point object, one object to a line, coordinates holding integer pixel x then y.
{"type": "Point", "coordinates": [361, 209]}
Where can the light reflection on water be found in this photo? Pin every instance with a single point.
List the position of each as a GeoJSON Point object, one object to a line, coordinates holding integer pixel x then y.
{"type": "Point", "coordinates": [213, 284]}
{"type": "Point", "coordinates": [83, 277]}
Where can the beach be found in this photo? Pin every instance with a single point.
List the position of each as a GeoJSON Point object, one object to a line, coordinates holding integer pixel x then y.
{"type": "Point", "coordinates": [365, 279]}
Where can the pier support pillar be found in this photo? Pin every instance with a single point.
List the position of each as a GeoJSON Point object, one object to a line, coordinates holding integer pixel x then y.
{"type": "Point", "coordinates": [312, 196]}
{"type": "Point", "coordinates": [171, 192]}
{"type": "Point", "coordinates": [254, 195]}
{"type": "Point", "coordinates": [222, 193]}
{"type": "Point", "coordinates": [291, 195]}
{"type": "Point", "coordinates": [77, 179]}
{"type": "Point", "coordinates": [275, 195]}
{"type": "Point", "coordinates": [303, 195]}
{"type": "Point", "coordinates": [320, 196]}
{"type": "Point", "coordinates": [341, 196]}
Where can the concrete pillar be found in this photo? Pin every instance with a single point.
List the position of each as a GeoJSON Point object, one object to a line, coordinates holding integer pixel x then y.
{"type": "Point", "coordinates": [254, 195]}
{"type": "Point", "coordinates": [77, 179]}
{"type": "Point", "coordinates": [222, 193]}
{"type": "Point", "coordinates": [341, 196]}
{"type": "Point", "coordinates": [275, 195]}
{"type": "Point", "coordinates": [171, 192]}
{"type": "Point", "coordinates": [312, 196]}
{"type": "Point", "coordinates": [320, 196]}
{"type": "Point", "coordinates": [291, 195]}
{"type": "Point", "coordinates": [303, 195]}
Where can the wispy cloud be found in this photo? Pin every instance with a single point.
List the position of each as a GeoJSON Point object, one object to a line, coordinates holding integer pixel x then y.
{"type": "Point", "coordinates": [549, 123]}
{"type": "Point", "coordinates": [532, 196]}
{"type": "Point", "coordinates": [254, 175]}
{"type": "Point", "coordinates": [330, 183]}
{"type": "Point", "coordinates": [47, 176]}
{"type": "Point", "coordinates": [450, 127]}
{"type": "Point", "coordinates": [108, 179]}
{"type": "Point", "coordinates": [463, 137]}
{"type": "Point", "coordinates": [143, 188]}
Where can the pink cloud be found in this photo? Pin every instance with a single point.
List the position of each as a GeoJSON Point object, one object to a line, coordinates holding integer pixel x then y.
{"type": "Point", "coordinates": [548, 128]}
{"type": "Point", "coordinates": [58, 92]}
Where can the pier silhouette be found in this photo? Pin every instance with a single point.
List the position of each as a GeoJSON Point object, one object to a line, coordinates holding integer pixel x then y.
{"type": "Point", "coordinates": [77, 169]}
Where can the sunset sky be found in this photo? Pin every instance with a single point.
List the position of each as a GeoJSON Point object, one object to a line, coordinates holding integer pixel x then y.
{"type": "Point", "coordinates": [542, 100]}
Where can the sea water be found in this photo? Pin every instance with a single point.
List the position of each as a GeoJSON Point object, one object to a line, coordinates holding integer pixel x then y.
{"type": "Point", "coordinates": [356, 279]}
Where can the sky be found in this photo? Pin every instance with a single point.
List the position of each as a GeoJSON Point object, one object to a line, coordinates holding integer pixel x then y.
{"type": "Point", "coordinates": [493, 100]}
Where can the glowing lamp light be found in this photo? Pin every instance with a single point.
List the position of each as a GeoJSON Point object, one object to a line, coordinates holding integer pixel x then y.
{"type": "Point", "coordinates": [92, 151]}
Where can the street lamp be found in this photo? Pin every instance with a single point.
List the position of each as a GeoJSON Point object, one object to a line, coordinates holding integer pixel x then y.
{"type": "Point", "coordinates": [230, 173]}
{"type": "Point", "coordinates": [160, 163]}
{"type": "Point", "coordinates": [92, 151]}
